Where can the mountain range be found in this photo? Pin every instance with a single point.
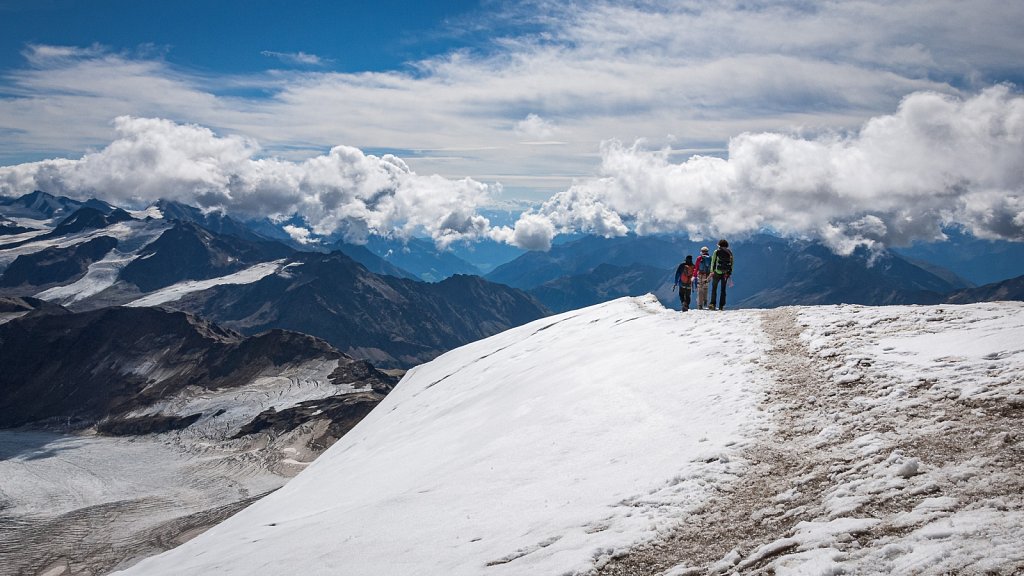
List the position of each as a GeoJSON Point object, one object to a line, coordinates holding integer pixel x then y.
{"type": "Point", "coordinates": [769, 272]}
{"type": "Point", "coordinates": [179, 257]}
{"type": "Point", "coordinates": [189, 363]}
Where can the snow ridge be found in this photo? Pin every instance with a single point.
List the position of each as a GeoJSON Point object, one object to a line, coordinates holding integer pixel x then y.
{"type": "Point", "coordinates": [625, 438]}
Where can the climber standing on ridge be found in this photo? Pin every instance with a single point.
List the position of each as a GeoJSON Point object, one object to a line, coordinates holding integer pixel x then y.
{"type": "Point", "coordinates": [684, 279]}
{"type": "Point", "coordinates": [721, 271]}
{"type": "Point", "coordinates": [703, 266]}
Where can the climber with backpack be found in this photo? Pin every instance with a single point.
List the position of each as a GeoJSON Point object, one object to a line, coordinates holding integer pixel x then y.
{"type": "Point", "coordinates": [684, 279]}
{"type": "Point", "coordinates": [721, 271]}
{"type": "Point", "coordinates": [703, 266]}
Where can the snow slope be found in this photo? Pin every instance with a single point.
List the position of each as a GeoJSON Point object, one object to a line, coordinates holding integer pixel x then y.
{"type": "Point", "coordinates": [625, 438]}
{"type": "Point", "coordinates": [132, 236]}
{"type": "Point", "coordinates": [538, 450]}
{"type": "Point", "coordinates": [181, 289]}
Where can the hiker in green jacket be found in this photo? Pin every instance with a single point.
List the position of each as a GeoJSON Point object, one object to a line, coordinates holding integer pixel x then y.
{"type": "Point", "coordinates": [721, 270]}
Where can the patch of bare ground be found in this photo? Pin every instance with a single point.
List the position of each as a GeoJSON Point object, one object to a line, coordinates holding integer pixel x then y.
{"type": "Point", "coordinates": [745, 515]}
{"type": "Point", "coordinates": [799, 471]}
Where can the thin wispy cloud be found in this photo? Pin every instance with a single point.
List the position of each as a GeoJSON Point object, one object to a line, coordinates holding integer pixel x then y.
{"type": "Point", "coordinates": [680, 75]}
{"type": "Point", "coordinates": [297, 58]}
{"type": "Point", "coordinates": [700, 71]}
{"type": "Point", "coordinates": [43, 54]}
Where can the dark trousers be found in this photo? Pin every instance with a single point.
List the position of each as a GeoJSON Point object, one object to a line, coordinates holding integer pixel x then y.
{"type": "Point", "coordinates": [715, 280]}
{"type": "Point", "coordinates": [684, 296]}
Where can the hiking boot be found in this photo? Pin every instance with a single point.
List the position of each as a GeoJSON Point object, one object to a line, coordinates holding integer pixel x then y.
{"type": "Point", "coordinates": [711, 306]}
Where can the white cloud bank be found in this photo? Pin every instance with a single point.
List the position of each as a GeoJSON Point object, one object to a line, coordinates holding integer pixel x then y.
{"type": "Point", "coordinates": [342, 191]}
{"type": "Point", "coordinates": [937, 161]}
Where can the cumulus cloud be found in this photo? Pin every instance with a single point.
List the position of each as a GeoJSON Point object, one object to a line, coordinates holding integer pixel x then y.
{"type": "Point", "coordinates": [937, 161]}
{"type": "Point", "coordinates": [343, 191]}
{"type": "Point", "coordinates": [299, 234]}
{"type": "Point", "coordinates": [535, 128]}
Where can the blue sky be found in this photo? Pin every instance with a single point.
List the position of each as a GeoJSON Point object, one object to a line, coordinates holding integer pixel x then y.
{"type": "Point", "coordinates": [234, 36]}
{"type": "Point", "coordinates": [576, 102]}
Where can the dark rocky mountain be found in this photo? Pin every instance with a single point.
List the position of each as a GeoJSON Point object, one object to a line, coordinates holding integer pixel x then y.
{"type": "Point", "coordinates": [266, 229]}
{"type": "Point", "coordinates": [420, 257]}
{"type": "Point", "coordinates": [486, 254]}
{"type": "Point", "coordinates": [390, 321]}
{"type": "Point", "coordinates": [979, 261]}
{"type": "Point", "coordinates": [102, 365]}
{"type": "Point", "coordinates": [215, 222]}
{"type": "Point", "coordinates": [1012, 289]}
{"type": "Point", "coordinates": [188, 251]}
{"type": "Point", "coordinates": [88, 218]}
{"type": "Point", "coordinates": [397, 321]}
{"type": "Point", "coordinates": [946, 274]}
{"type": "Point", "coordinates": [13, 307]}
{"type": "Point", "coordinates": [84, 218]}
{"type": "Point", "coordinates": [53, 266]}
{"type": "Point", "coordinates": [372, 262]}
{"type": "Point", "coordinates": [603, 283]}
{"type": "Point", "coordinates": [774, 272]}
{"type": "Point", "coordinates": [770, 272]}
{"type": "Point", "coordinates": [39, 205]}
{"type": "Point", "coordinates": [216, 421]}
{"type": "Point", "coordinates": [584, 254]}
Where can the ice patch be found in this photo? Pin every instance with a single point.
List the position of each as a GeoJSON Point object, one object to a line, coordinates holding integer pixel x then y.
{"type": "Point", "coordinates": [181, 289]}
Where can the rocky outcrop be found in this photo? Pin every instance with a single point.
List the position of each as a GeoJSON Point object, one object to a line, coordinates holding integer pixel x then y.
{"type": "Point", "coordinates": [389, 321]}
{"type": "Point", "coordinates": [190, 252]}
{"type": "Point", "coordinates": [52, 266]}
{"type": "Point", "coordinates": [1012, 289]}
{"type": "Point", "coordinates": [107, 363]}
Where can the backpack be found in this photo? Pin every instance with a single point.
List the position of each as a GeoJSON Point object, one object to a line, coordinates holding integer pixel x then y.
{"type": "Point", "coordinates": [704, 264]}
{"type": "Point", "coordinates": [686, 275]}
{"type": "Point", "coordinates": [723, 263]}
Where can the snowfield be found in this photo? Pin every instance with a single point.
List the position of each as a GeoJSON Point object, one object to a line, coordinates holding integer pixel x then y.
{"type": "Point", "coordinates": [132, 237]}
{"type": "Point", "coordinates": [88, 504]}
{"type": "Point", "coordinates": [625, 438]}
{"type": "Point", "coordinates": [181, 289]}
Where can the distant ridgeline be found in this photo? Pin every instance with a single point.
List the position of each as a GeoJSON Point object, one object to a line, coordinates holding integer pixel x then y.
{"type": "Point", "coordinates": [89, 255]}
{"type": "Point", "coordinates": [769, 272]}
{"type": "Point", "coordinates": [398, 304]}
